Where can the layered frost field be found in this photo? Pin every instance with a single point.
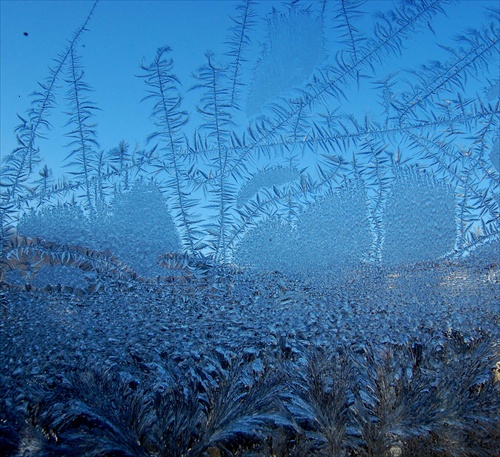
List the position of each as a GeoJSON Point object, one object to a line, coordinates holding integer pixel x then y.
{"type": "Point", "coordinates": [302, 258]}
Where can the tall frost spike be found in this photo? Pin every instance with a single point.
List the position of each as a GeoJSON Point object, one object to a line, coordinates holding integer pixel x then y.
{"type": "Point", "coordinates": [163, 90]}
{"type": "Point", "coordinates": [347, 12]}
{"type": "Point", "coordinates": [18, 166]}
{"type": "Point", "coordinates": [238, 42]}
{"type": "Point", "coordinates": [83, 134]}
{"type": "Point", "coordinates": [215, 107]}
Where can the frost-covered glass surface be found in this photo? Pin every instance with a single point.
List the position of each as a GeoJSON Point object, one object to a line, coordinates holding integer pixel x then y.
{"type": "Point", "coordinates": [250, 228]}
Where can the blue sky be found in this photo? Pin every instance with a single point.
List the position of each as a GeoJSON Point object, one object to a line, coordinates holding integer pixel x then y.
{"type": "Point", "coordinates": [124, 33]}
{"type": "Point", "coordinates": [121, 35]}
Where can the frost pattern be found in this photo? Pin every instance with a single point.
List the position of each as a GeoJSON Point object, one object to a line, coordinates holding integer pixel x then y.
{"type": "Point", "coordinates": [419, 220]}
{"type": "Point", "coordinates": [293, 49]}
{"type": "Point", "coordinates": [493, 91]}
{"type": "Point", "coordinates": [138, 229]}
{"type": "Point", "coordinates": [265, 178]}
{"type": "Point", "coordinates": [331, 236]}
{"type": "Point", "coordinates": [232, 340]}
{"type": "Point", "coordinates": [495, 154]}
{"type": "Point", "coordinates": [63, 275]}
{"type": "Point", "coordinates": [141, 229]}
{"type": "Point", "coordinates": [223, 177]}
{"type": "Point", "coordinates": [63, 223]}
{"type": "Point", "coordinates": [268, 247]}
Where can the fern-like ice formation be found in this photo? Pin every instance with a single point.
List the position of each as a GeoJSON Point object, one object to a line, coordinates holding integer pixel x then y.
{"type": "Point", "coordinates": [20, 164]}
{"type": "Point", "coordinates": [306, 171]}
